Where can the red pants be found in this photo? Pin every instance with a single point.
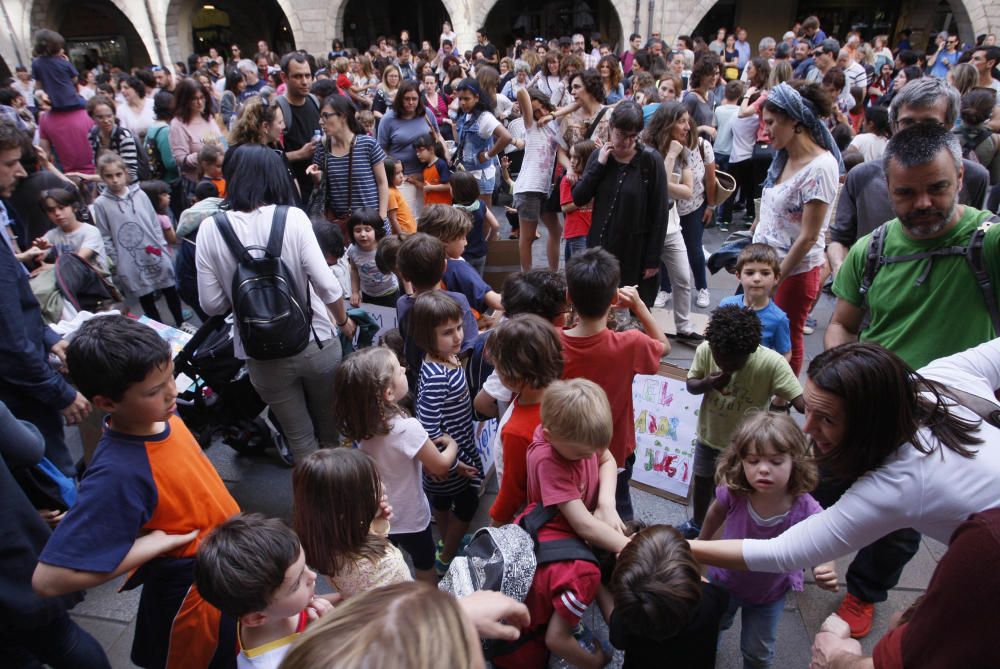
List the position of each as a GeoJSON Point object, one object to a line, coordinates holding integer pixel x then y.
{"type": "Point", "coordinates": [796, 296]}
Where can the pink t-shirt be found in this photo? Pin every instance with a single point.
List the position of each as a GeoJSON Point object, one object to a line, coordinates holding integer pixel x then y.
{"type": "Point", "coordinates": [67, 132]}
{"type": "Point", "coordinates": [553, 480]}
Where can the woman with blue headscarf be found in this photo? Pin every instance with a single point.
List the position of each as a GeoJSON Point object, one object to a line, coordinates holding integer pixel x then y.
{"type": "Point", "coordinates": [798, 193]}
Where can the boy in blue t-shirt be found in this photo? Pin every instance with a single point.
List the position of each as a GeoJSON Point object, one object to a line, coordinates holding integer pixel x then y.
{"type": "Point", "coordinates": [54, 73]}
{"type": "Point", "coordinates": [758, 268]}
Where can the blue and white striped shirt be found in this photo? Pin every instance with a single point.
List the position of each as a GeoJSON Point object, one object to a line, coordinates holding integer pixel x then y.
{"type": "Point", "coordinates": [364, 190]}
{"type": "Point", "coordinates": [445, 407]}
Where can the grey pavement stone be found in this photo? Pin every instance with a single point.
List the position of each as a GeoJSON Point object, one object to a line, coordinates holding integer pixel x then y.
{"type": "Point", "coordinates": [106, 602]}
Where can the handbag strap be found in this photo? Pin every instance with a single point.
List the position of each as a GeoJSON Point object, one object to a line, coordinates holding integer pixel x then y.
{"type": "Point", "coordinates": [985, 409]}
{"type": "Point", "coordinates": [350, 173]}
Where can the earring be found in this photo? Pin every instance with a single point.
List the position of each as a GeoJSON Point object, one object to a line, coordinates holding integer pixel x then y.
{"type": "Point", "coordinates": [798, 130]}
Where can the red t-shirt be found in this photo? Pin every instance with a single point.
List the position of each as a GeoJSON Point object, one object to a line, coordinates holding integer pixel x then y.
{"type": "Point", "coordinates": [577, 221]}
{"type": "Point", "coordinates": [344, 83]}
{"type": "Point", "coordinates": [553, 480]}
{"type": "Point", "coordinates": [611, 360]}
{"type": "Point", "coordinates": [515, 437]}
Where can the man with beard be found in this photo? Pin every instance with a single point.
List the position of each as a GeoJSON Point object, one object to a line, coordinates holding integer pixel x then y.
{"type": "Point", "coordinates": [921, 309]}
{"type": "Point", "coordinates": [864, 202]}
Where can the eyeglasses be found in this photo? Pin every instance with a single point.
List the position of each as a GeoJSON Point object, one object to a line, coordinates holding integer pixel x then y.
{"type": "Point", "coordinates": [626, 136]}
{"type": "Point", "coordinates": [326, 116]}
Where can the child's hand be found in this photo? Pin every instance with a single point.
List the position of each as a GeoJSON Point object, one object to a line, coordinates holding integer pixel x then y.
{"type": "Point", "coordinates": [355, 299]}
{"type": "Point", "coordinates": [826, 576]}
{"type": "Point", "coordinates": [318, 607]}
{"type": "Point", "coordinates": [444, 442]}
{"type": "Point", "coordinates": [628, 297]}
{"type": "Point", "coordinates": [719, 380]}
{"type": "Point", "coordinates": [41, 243]}
{"type": "Point", "coordinates": [51, 517]}
{"type": "Point", "coordinates": [609, 514]}
{"type": "Point", "coordinates": [837, 626]}
{"type": "Point", "coordinates": [165, 543]}
{"type": "Point", "coordinates": [468, 471]}
{"type": "Point", "coordinates": [385, 509]}
{"type": "Point", "coordinates": [314, 173]}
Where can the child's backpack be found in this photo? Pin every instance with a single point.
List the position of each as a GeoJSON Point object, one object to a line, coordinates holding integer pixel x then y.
{"type": "Point", "coordinates": [504, 559]}
{"type": "Point", "coordinates": [143, 171]}
{"type": "Point", "coordinates": [157, 170]}
{"type": "Point", "coordinates": [971, 138]}
{"type": "Point", "coordinates": [273, 317]}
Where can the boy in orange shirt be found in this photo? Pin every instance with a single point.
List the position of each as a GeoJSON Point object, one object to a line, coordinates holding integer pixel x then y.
{"type": "Point", "coordinates": [400, 216]}
{"type": "Point", "coordinates": [436, 172]}
{"type": "Point", "coordinates": [610, 359]}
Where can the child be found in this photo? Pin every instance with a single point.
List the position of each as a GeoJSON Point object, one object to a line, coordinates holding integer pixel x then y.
{"type": "Point", "coordinates": [444, 407]}
{"type": "Point", "coordinates": [764, 478]}
{"type": "Point", "coordinates": [210, 159]}
{"type": "Point", "coordinates": [451, 226]}
{"type": "Point", "coordinates": [370, 384]}
{"type": "Point", "coordinates": [571, 468]}
{"type": "Point", "coordinates": [400, 216]}
{"type": "Point", "coordinates": [724, 116]}
{"type": "Point", "coordinates": [577, 224]}
{"type": "Point", "coordinates": [254, 570]}
{"type": "Point", "coordinates": [368, 284]}
{"type": "Point", "coordinates": [421, 261]}
{"type": "Point", "coordinates": [527, 357]}
{"type": "Point", "coordinates": [331, 243]}
{"type": "Point", "coordinates": [70, 235]}
{"type": "Point", "coordinates": [735, 374]}
{"type": "Point", "coordinates": [610, 359]}
{"type": "Point", "coordinates": [149, 491]}
{"type": "Point", "coordinates": [759, 269]}
{"type": "Point", "coordinates": [337, 492]}
{"type": "Point", "coordinates": [158, 193]}
{"type": "Point", "coordinates": [436, 174]}
{"type": "Point", "coordinates": [133, 240]}
{"type": "Point", "coordinates": [207, 203]}
{"type": "Point", "coordinates": [385, 258]}
{"type": "Point", "coordinates": [366, 119]}
{"type": "Point", "coordinates": [54, 73]}
{"type": "Point", "coordinates": [660, 605]}
{"type": "Point", "coordinates": [465, 193]}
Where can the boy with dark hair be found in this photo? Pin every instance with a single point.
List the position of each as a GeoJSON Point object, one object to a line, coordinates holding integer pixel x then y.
{"type": "Point", "coordinates": [254, 570]}
{"type": "Point", "coordinates": [421, 261]}
{"type": "Point", "coordinates": [210, 159]}
{"type": "Point", "coordinates": [149, 492]}
{"type": "Point", "coordinates": [736, 374]}
{"type": "Point", "coordinates": [610, 359]}
{"type": "Point", "coordinates": [452, 227]}
{"type": "Point", "coordinates": [660, 606]}
{"type": "Point", "coordinates": [758, 269]}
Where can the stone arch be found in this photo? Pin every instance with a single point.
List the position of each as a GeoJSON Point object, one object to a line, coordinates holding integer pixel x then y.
{"type": "Point", "coordinates": [136, 25]}
{"type": "Point", "coordinates": [622, 12]}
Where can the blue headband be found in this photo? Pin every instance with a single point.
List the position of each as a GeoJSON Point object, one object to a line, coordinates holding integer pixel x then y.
{"type": "Point", "coordinates": [802, 111]}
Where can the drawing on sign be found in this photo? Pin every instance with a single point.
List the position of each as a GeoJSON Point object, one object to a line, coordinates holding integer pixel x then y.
{"type": "Point", "coordinates": [666, 417]}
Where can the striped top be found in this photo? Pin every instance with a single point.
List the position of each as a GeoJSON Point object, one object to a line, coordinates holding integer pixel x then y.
{"type": "Point", "coordinates": [366, 154]}
{"type": "Point", "coordinates": [123, 143]}
{"type": "Point", "coordinates": [444, 407]}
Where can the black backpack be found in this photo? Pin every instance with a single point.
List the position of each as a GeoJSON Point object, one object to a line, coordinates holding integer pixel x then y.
{"type": "Point", "coordinates": [157, 170]}
{"type": "Point", "coordinates": [972, 252]}
{"type": "Point", "coordinates": [274, 320]}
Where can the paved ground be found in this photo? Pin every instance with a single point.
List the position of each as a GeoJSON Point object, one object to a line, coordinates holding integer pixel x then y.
{"type": "Point", "coordinates": [262, 484]}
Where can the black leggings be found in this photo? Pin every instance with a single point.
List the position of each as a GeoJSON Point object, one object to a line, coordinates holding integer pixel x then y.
{"type": "Point", "coordinates": [148, 303]}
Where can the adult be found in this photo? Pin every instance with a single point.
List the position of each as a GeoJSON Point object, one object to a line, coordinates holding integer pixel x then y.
{"type": "Point", "coordinates": [749, 167]}
{"type": "Point", "coordinates": [548, 79]}
{"type": "Point", "coordinates": [158, 136]}
{"type": "Point", "coordinates": [795, 206]}
{"type": "Point", "coordinates": [909, 301]}
{"type": "Point", "coordinates": [261, 121]}
{"type": "Point", "coordinates": [588, 117]}
{"type": "Point", "coordinates": [298, 388]}
{"type": "Point", "coordinates": [742, 47]}
{"type": "Point", "coordinates": [192, 126]}
{"type": "Point", "coordinates": [824, 58]}
{"type": "Point", "coordinates": [437, 103]}
{"type": "Point", "coordinates": [448, 34]}
{"type": "Point", "coordinates": [29, 386]}
{"type": "Point", "coordinates": [978, 107]}
{"type": "Point", "coordinates": [985, 59]}
{"type": "Point", "coordinates": [930, 467]}
{"type": "Point", "coordinates": [611, 79]}
{"type": "Point", "coordinates": [234, 86]}
{"type": "Point", "coordinates": [480, 137]}
{"type": "Point", "coordinates": [864, 202]}
{"type": "Point", "coordinates": [251, 75]}
{"type": "Point", "coordinates": [164, 79]}
{"type": "Point", "coordinates": [628, 56]}
{"type": "Point", "coordinates": [484, 51]}
{"type": "Point", "coordinates": [107, 135]}
{"type": "Point", "coordinates": [136, 115]}
{"type": "Point", "coordinates": [626, 181]}
{"type": "Point", "coordinates": [301, 115]}
{"type": "Point", "coordinates": [944, 58]}
{"type": "Point", "coordinates": [386, 92]}
{"type": "Point", "coordinates": [518, 79]}
{"type": "Point", "coordinates": [696, 101]}
{"type": "Point", "coordinates": [353, 162]}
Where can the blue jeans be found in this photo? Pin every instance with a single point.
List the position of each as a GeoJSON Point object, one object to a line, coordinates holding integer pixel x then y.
{"type": "Point", "coordinates": [60, 643]}
{"type": "Point", "coordinates": [575, 245]}
{"type": "Point", "coordinates": [692, 229]}
{"type": "Point", "coordinates": [759, 630]}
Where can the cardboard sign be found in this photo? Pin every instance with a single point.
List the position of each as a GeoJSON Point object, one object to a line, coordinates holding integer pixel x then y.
{"type": "Point", "coordinates": [666, 417]}
{"type": "Point", "coordinates": [384, 316]}
{"type": "Point", "coordinates": [486, 443]}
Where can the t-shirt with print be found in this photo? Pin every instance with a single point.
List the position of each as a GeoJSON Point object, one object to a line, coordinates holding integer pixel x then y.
{"type": "Point", "coordinates": [611, 360]}
{"type": "Point", "coordinates": [743, 522]}
{"type": "Point", "coordinates": [577, 221]}
{"type": "Point", "coordinates": [373, 282]}
{"type": "Point", "coordinates": [783, 204]}
{"type": "Point", "coordinates": [775, 333]}
{"type": "Point", "coordinates": [765, 374]}
{"type": "Point", "coordinates": [696, 161]}
{"type": "Point", "coordinates": [395, 455]}
{"type": "Point", "coordinates": [515, 438]}
{"type": "Point", "coordinates": [84, 237]}
{"type": "Point", "coordinates": [434, 174]}
{"type": "Point", "coordinates": [910, 312]}
{"type": "Point", "coordinates": [541, 144]}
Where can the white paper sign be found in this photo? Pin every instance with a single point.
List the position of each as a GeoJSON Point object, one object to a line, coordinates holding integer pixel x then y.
{"type": "Point", "coordinates": [666, 417]}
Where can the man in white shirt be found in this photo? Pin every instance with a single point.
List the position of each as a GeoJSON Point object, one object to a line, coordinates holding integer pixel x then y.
{"type": "Point", "coordinates": [854, 71]}
{"type": "Point", "coordinates": [25, 85]}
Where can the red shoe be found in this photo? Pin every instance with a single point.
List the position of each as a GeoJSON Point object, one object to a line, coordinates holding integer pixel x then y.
{"type": "Point", "coordinates": [858, 614]}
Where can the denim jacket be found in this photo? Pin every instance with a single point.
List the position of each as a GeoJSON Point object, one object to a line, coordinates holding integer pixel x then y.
{"type": "Point", "coordinates": [472, 144]}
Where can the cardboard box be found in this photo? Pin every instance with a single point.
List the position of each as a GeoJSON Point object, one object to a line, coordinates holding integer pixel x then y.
{"type": "Point", "coordinates": [501, 260]}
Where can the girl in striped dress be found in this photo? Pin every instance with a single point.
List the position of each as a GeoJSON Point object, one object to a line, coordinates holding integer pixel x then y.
{"type": "Point", "coordinates": [444, 407]}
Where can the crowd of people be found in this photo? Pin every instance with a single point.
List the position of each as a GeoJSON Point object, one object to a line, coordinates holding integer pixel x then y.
{"type": "Point", "coordinates": [291, 191]}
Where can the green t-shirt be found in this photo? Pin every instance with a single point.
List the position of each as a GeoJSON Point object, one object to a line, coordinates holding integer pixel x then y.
{"type": "Point", "coordinates": [766, 374]}
{"type": "Point", "coordinates": [943, 315]}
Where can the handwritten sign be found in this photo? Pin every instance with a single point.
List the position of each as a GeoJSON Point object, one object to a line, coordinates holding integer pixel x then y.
{"type": "Point", "coordinates": [666, 417]}
{"type": "Point", "coordinates": [486, 444]}
{"type": "Point", "coordinates": [384, 316]}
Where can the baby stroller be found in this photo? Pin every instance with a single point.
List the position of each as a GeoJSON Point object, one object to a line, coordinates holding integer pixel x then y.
{"type": "Point", "coordinates": [217, 399]}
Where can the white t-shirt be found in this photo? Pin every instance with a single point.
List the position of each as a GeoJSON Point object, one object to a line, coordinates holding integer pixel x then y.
{"type": "Point", "coordinates": [870, 145]}
{"type": "Point", "coordinates": [932, 493]}
{"type": "Point", "coordinates": [541, 144]}
{"type": "Point", "coordinates": [137, 124]}
{"type": "Point", "coordinates": [744, 137]}
{"type": "Point", "coordinates": [85, 237]}
{"type": "Point", "coordinates": [782, 206]}
{"type": "Point", "coordinates": [395, 455]}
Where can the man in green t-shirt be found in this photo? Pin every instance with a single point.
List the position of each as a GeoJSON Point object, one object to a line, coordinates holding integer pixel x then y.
{"type": "Point", "coordinates": [920, 310]}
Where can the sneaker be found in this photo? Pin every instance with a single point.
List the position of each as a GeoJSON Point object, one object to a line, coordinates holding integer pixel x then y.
{"type": "Point", "coordinates": [661, 300]}
{"type": "Point", "coordinates": [690, 529]}
{"type": "Point", "coordinates": [689, 337]}
{"type": "Point", "coordinates": [704, 298]}
{"type": "Point", "coordinates": [810, 326]}
{"type": "Point", "coordinates": [857, 614]}
{"type": "Point", "coordinates": [281, 445]}
{"type": "Point", "coordinates": [466, 540]}
{"type": "Point", "coordinates": [440, 566]}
